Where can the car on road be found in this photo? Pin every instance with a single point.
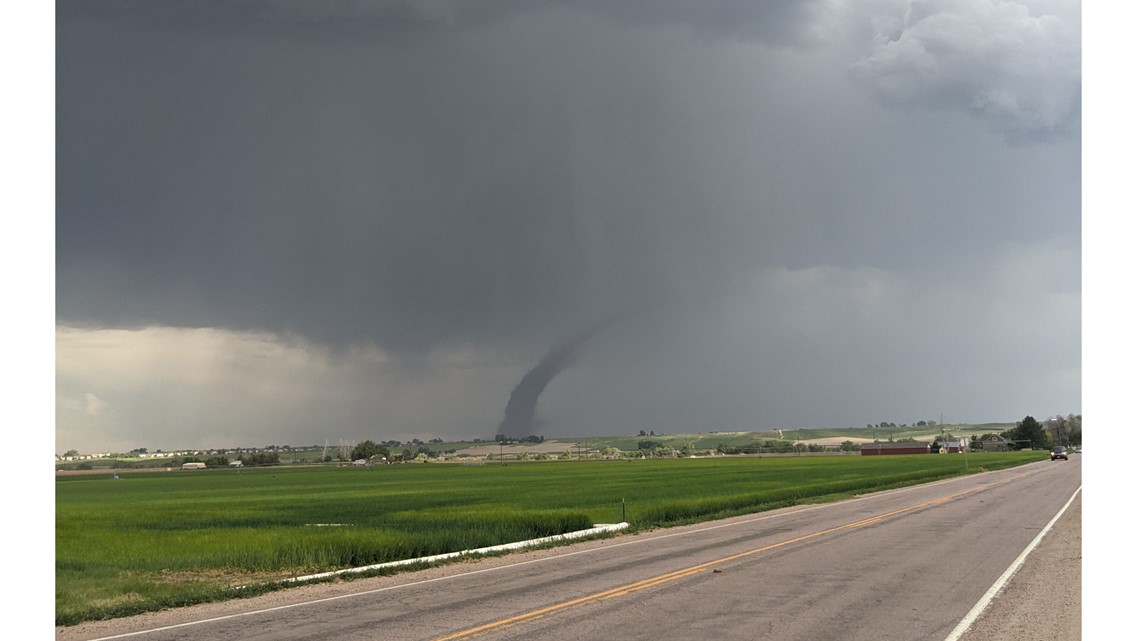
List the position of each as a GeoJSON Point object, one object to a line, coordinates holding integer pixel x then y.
{"type": "Point", "coordinates": [1058, 452]}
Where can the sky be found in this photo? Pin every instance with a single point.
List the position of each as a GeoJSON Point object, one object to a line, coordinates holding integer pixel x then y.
{"type": "Point", "coordinates": [282, 222]}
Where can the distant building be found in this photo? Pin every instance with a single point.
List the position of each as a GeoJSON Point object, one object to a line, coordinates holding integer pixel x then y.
{"type": "Point", "coordinates": [902, 447]}
{"type": "Point", "coordinates": [952, 446]}
{"type": "Point", "coordinates": [997, 443]}
{"type": "Point", "coordinates": [193, 466]}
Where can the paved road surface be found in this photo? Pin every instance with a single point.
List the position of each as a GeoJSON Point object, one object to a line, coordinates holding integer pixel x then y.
{"type": "Point", "coordinates": [907, 564]}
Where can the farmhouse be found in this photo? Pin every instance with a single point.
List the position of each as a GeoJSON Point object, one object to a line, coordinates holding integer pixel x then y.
{"type": "Point", "coordinates": [900, 447]}
{"type": "Point", "coordinates": [997, 443]}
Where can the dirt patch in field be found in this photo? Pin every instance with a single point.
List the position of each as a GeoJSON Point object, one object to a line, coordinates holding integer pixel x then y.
{"type": "Point", "coordinates": [547, 447]}
{"type": "Point", "coordinates": [837, 440]}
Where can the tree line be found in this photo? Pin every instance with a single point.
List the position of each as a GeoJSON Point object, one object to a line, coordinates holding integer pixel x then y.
{"type": "Point", "coordinates": [1059, 430]}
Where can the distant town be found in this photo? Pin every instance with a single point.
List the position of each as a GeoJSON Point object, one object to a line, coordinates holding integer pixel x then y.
{"type": "Point", "coordinates": [881, 438]}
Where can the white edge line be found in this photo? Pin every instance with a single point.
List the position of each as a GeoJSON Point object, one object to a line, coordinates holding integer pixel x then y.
{"type": "Point", "coordinates": [984, 602]}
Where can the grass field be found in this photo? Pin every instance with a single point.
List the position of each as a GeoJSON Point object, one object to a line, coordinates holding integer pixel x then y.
{"type": "Point", "coordinates": [151, 540]}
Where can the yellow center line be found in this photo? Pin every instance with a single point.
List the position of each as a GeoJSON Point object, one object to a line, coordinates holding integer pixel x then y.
{"type": "Point", "coordinates": [676, 575]}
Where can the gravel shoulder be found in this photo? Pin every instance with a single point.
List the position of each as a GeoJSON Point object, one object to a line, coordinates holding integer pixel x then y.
{"type": "Point", "coordinates": [1042, 601]}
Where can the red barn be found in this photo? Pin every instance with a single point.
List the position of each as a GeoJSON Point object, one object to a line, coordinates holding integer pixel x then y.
{"type": "Point", "coordinates": [900, 447]}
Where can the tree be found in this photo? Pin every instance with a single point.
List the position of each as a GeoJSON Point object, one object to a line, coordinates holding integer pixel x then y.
{"type": "Point", "coordinates": [779, 447]}
{"type": "Point", "coordinates": [1064, 430]}
{"type": "Point", "coordinates": [1074, 424]}
{"type": "Point", "coordinates": [368, 449]}
{"type": "Point", "coordinates": [255, 459]}
{"type": "Point", "coordinates": [1029, 433]}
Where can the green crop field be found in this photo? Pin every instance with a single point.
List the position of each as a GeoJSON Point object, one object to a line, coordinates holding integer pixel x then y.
{"type": "Point", "coordinates": [151, 540]}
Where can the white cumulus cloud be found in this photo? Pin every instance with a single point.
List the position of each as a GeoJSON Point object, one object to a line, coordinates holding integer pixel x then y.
{"type": "Point", "coordinates": [1017, 65]}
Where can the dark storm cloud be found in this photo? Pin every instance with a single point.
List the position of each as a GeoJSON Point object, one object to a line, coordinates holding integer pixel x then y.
{"type": "Point", "coordinates": [404, 190]}
{"type": "Point", "coordinates": [483, 178]}
{"type": "Point", "coordinates": [776, 21]}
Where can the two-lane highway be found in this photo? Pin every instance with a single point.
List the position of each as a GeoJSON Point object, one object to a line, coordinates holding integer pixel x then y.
{"type": "Point", "coordinates": [905, 564]}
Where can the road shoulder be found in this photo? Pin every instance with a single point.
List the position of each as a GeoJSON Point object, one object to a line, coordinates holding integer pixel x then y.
{"type": "Point", "coordinates": [1042, 601]}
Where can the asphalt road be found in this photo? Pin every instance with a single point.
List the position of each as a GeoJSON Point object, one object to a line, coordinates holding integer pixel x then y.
{"type": "Point", "coordinates": [906, 564]}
